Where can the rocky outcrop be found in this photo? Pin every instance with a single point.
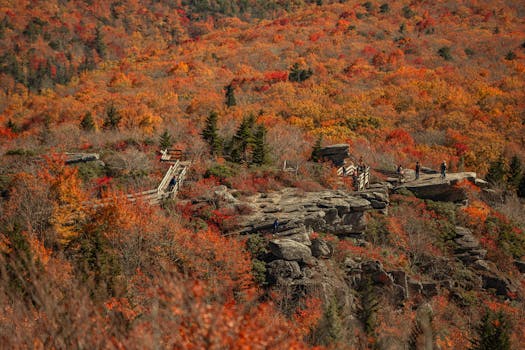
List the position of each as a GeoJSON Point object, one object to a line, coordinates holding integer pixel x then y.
{"type": "Point", "coordinates": [321, 249]}
{"type": "Point", "coordinates": [334, 153]}
{"type": "Point", "coordinates": [467, 246]}
{"type": "Point", "coordinates": [520, 265]}
{"type": "Point", "coordinates": [435, 188]}
{"type": "Point", "coordinates": [299, 212]}
{"type": "Point", "coordinates": [290, 250]}
{"type": "Point", "coordinates": [301, 269]}
{"type": "Point", "coordinates": [468, 250]}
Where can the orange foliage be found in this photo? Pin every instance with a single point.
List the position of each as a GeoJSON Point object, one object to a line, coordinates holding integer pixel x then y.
{"type": "Point", "coordinates": [69, 210]}
{"type": "Point", "coordinates": [477, 212]}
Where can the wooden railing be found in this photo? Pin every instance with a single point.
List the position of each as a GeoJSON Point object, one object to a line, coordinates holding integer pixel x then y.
{"type": "Point", "coordinates": [361, 181]}
{"type": "Point", "coordinates": [292, 167]}
{"type": "Point", "coordinates": [176, 171]}
{"type": "Point", "coordinates": [72, 158]}
{"type": "Point", "coordinates": [167, 178]}
{"type": "Point", "coordinates": [170, 155]}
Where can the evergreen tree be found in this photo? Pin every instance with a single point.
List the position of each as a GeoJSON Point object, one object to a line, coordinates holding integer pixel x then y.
{"type": "Point", "coordinates": [369, 307]}
{"type": "Point", "coordinates": [315, 157]}
{"type": "Point", "coordinates": [242, 139]}
{"type": "Point", "coordinates": [298, 75]}
{"type": "Point", "coordinates": [493, 332]}
{"type": "Point", "coordinates": [521, 188]}
{"type": "Point", "coordinates": [210, 135]}
{"type": "Point", "coordinates": [230, 96]}
{"type": "Point", "coordinates": [87, 123]}
{"type": "Point", "coordinates": [165, 140]}
{"type": "Point", "coordinates": [98, 43]}
{"type": "Point", "coordinates": [496, 173]}
{"type": "Point", "coordinates": [112, 119]}
{"type": "Point", "coordinates": [515, 172]}
{"type": "Point", "coordinates": [260, 152]}
{"type": "Point", "coordinates": [11, 125]}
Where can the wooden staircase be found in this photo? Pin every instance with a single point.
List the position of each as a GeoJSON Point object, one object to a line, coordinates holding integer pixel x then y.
{"type": "Point", "coordinates": [363, 177]}
{"type": "Point", "coordinates": [168, 187]}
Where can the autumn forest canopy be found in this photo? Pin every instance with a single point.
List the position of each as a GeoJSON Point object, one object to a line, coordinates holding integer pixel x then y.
{"type": "Point", "coordinates": [239, 87]}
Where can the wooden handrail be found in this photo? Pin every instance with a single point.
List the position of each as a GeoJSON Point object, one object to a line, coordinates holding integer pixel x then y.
{"type": "Point", "coordinates": [167, 178]}
{"type": "Point", "coordinates": [363, 178]}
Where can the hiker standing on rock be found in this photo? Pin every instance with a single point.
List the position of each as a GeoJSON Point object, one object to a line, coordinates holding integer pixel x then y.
{"type": "Point", "coordinates": [400, 172]}
{"type": "Point", "coordinates": [443, 170]}
{"type": "Point", "coordinates": [361, 165]}
{"type": "Point", "coordinates": [418, 169]}
{"type": "Point", "coordinates": [275, 226]}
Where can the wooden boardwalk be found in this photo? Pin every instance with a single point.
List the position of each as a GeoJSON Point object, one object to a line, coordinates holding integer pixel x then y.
{"type": "Point", "coordinates": [362, 178]}
{"type": "Point", "coordinates": [168, 187]}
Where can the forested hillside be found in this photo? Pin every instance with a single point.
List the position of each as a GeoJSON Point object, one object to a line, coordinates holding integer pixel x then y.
{"type": "Point", "coordinates": [239, 87]}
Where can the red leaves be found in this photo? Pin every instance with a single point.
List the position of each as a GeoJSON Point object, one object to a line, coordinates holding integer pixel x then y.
{"type": "Point", "coordinates": [275, 76]}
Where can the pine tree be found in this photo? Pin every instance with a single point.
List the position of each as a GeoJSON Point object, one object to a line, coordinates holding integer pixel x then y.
{"type": "Point", "coordinates": [493, 332]}
{"type": "Point", "coordinates": [112, 119]}
{"type": "Point", "coordinates": [230, 96]}
{"type": "Point", "coordinates": [98, 43]}
{"type": "Point", "coordinates": [369, 307]}
{"type": "Point", "coordinates": [315, 157]}
{"type": "Point", "coordinates": [210, 135]}
{"type": "Point", "coordinates": [87, 123]}
{"type": "Point", "coordinates": [242, 139]}
{"type": "Point", "coordinates": [260, 153]}
{"type": "Point", "coordinates": [515, 173]}
{"type": "Point", "coordinates": [334, 325]}
{"type": "Point", "coordinates": [521, 188]}
{"type": "Point", "coordinates": [165, 140]}
{"type": "Point", "coordinates": [496, 172]}
{"type": "Point", "coordinates": [298, 75]}
{"type": "Point", "coordinates": [11, 125]}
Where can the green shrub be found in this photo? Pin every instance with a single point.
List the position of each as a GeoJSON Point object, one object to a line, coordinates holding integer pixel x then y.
{"type": "Point", "coordinates": [443, 209]}
{"type": "Point", "coordinates": [493, 332]}
{"type": "Point", "coordinates": [510, 56]}
{"type": "Point", "coordinates": [469, 52]}
{"type": "Point", "coordinates": [20, 152]}
{"type": "Point", "coordinates": [257, 245]}
{"type": "Point", "coordinates": [362, 122]}
{"type": "Point", "coordinates": [259, 272]}
{"type": "Point", "coordinates": [220, 171]}
{"type": "Point", "coordinates": [444, 52]}
{"type": "Point", "coordinates": [376, 230]}
{"type": "Point", "coordinates": [509, 238]}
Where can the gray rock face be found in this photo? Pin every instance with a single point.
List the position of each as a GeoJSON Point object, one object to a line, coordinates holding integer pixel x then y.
{"type": "Point", "coordinates": [297, 212]}
{"type": "Point", "coordinates": [335, 153]}
{"type": "Point", "coordinates": [467, 249]}
{"type": "Point", "coordinates": [290, 250]}
{"type": "Point", "coordinates": [321, 249]}
{"type": "Point", "coordinates": [433, 187]}
{"type": "Point", "coordinates": [282, 269]}
{"type": "Point", "coordinates": [469, 252]}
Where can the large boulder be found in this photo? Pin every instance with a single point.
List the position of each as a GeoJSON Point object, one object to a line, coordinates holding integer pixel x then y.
{"type": "Point", "coordinates": [283, 269]}
{"type": "Point", "coordinates": [500, 284]}
{"type": "Point", "coordinates": [321, 249]}
{"type": "Point", "coordinates": [335, 153]}
{"type": "Point", "coordinates": [288, 249]}
{"type": "Point", "coordinates": [437, 189]}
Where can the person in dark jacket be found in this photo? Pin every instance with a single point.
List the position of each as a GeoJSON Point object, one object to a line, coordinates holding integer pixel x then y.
{"type": "Point", "coordinates": [275, 226]}
{"type": "Point", "coordinates": [443, 170]}
{"type": "Point", "coordinates": [172, 184]}
{"type": "Point", "coordinates": [418, 169]}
